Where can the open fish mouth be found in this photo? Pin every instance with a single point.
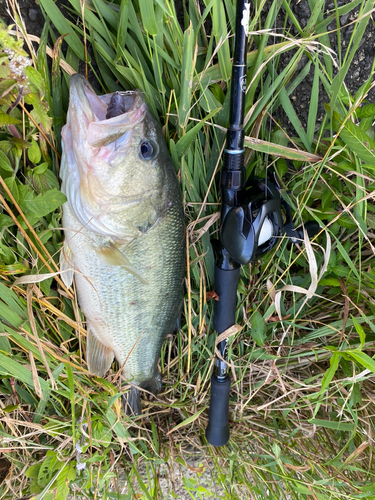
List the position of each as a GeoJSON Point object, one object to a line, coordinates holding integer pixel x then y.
{"type": "Point", "coordinates": [106, 117]}
{"type": "Point", "coordinates": [97, 139]}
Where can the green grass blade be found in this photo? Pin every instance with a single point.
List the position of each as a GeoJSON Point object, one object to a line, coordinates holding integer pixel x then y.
{"type": "Point", "coordinates": [187, 71]}
{"type": "Point", "coordinates": [318, 7]}
{"type": "Point", "coordinates": [148, 16]}
{"type": "Point", "coordinates": [313, 108]}
{"type": "Point", "coordinates": [64, 27]}
{"type": "Point", "coordinates": [357, 35]}
{"type": "Point", "coordinates": [185, 141]}
{"type": "Point", "coordinates": [220, 32]}
{"type": "Point", "coordinates": [122, 27]}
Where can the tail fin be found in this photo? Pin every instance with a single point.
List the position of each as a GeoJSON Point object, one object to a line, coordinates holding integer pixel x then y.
{"type": "Point", "coordinates": [132, 402]}
{"type": "Point", "coordinates": [132, 398]}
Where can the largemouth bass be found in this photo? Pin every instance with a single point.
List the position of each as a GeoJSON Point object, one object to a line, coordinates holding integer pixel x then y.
{"type": "Point", "coordinates": [124, 232]}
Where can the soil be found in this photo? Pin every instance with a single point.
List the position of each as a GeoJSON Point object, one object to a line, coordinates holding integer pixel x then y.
{"type": "Point", "coordinates": [30, 12]}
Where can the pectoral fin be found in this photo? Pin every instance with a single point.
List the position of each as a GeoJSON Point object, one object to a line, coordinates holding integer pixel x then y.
{"type": "Point", "coordinates": [66, 265]}
{"type": "Point", "coordinates": [99, 356]}
{"type": "Point", "coordinates": [112, 256]}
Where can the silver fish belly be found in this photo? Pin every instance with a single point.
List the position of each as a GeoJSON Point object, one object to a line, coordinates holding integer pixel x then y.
{"type": "Point", "coordinates": [124, 233]}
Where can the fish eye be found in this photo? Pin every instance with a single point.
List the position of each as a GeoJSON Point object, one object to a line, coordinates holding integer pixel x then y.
{"type": "Point", "coordinates": [146, 150]}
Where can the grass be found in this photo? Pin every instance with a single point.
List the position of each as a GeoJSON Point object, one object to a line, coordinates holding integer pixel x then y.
{"type": "Point", "coordinates": [301, 360]}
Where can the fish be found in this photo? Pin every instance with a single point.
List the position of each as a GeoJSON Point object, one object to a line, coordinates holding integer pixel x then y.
{"type": "Point", "coordinates": [124, 233]}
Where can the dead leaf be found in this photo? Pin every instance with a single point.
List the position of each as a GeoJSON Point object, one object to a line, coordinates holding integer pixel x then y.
{"type": "Point", "coordinates": [212, 295]}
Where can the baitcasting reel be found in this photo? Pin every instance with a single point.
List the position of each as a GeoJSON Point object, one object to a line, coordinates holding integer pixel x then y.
{"type": "Point", "coordinates": [252, 229]}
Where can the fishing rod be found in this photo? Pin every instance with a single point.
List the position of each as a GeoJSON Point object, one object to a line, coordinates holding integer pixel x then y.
{"type": "Point", "coordinates": [253, 217]}
{"type": "Point", "coordinates": [227, 270]}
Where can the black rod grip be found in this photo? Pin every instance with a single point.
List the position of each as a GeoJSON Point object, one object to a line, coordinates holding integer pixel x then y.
{"type": "Point", "coordinates": [217, 432]}
{"type": "Point", "coordinates": [226, 282]}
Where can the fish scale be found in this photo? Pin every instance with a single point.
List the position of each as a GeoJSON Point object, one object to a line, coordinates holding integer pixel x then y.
{"type": "Point", "coordinates": [125, 243]}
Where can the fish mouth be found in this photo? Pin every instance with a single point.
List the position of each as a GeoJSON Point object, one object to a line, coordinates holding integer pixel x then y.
{"type": "Point", "coordinates": [92, 143]}
{"type": "Point", "coordinates": [104, 126]}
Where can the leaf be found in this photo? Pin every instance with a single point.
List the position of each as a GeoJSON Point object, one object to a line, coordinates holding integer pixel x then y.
{"type": "Point", "coordinates": [367, 111]}
{"type": "Point", "coordinates": [12, 185]}
{"type": "Point", "coordinates": [59, 484]}
{"type": "Point", "coordinates": [185, 141]}
{"type": "Point", "coordinates": [220, 32]}
{"type": "Point", "coordinates": [6, 221]}
{"type": "Point", "coordinates": [316, 11]}
{"type": "Point", "coordinates": [356, 38]}
{"type": "Point", "coordinates": [258, 327]}
{"type": "Point", "coordinates": [4, 72]}
{"type": "Point", "coordinates": [360, 331]}
{"type": "Point", "coordinates": [188, 421]}
{"type": "Point", "coordinates": [40, 169]}
{"type": "Point", "coordinates": [43, 204]}
{"type": "Point", "coordinates": [279, 150]}
{"type": "Point", "coordinates": [187, 71]}
{"type": "Point", "coordinates": [293, 117]}
{"type": "Point", "coordinates": [105, 10]}
{"type": "Point", "coordinates": [46, 470]}
{"type": "Point", "coordinates": [45, 286]}
{"type": "Point", "coordinates": [5, 344]}
{"type": "Point", "coordinates": [6, 120]}
{"type": "Point", "coordinates": [146, 495]}
{"type": "Point", "coordinates": [34, 153]}
{"type": "Point", "coordinates": [33, 471]}
{"type": "Point", "coordinates": [356, 139]}
{"type": "Point", "coordinates": [330, 373]}
{"type": "Point", "coordinates": [35, 78]}
{"type": "Point", "coordinates": [148, 16]}
{"type": "Point", "coordinates": [214, 74]}
{"type": "Point", "coordinates": [362, 359]}
{"type": "Point", "coordinates": [122, 27]}
{"type": "Point", "coordinates": [39, 113]}
{"type": "Point", "coordinates": [10, 300]}
{"type": "Point", "coordinates": [5, 163]}
{"type": "Point", "coordinates": [120, 430]}
{"type": "Point", "coordinates": [314, 101]}
{"type": "Point", "coordinates": [346, 257]}
{"type": "Point", "coordinates": [329, 424]}
{"type": "Point", "coordinates": [8, 366]}
{"type": "Point", "coordinates": [64, 27]}
{"type": "Point", "coordinates": [329, 282]}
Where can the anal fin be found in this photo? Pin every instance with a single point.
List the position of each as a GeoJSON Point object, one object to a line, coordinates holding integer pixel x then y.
{"type": "Point", "coordinates": [99, 356]}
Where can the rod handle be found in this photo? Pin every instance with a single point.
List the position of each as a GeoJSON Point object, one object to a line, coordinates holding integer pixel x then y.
{"type": "Point", "coordinates": [217, 432]}
{"type": "Point", "coordinates": [226, 283]}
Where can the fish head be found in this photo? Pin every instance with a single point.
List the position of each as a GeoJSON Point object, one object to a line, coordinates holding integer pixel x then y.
{"type": "Point", "coordinates": [114, 157]}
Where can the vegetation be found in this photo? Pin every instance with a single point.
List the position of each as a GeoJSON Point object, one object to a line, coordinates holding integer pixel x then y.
{"type": "Point", "coordinates": [301, 360]}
